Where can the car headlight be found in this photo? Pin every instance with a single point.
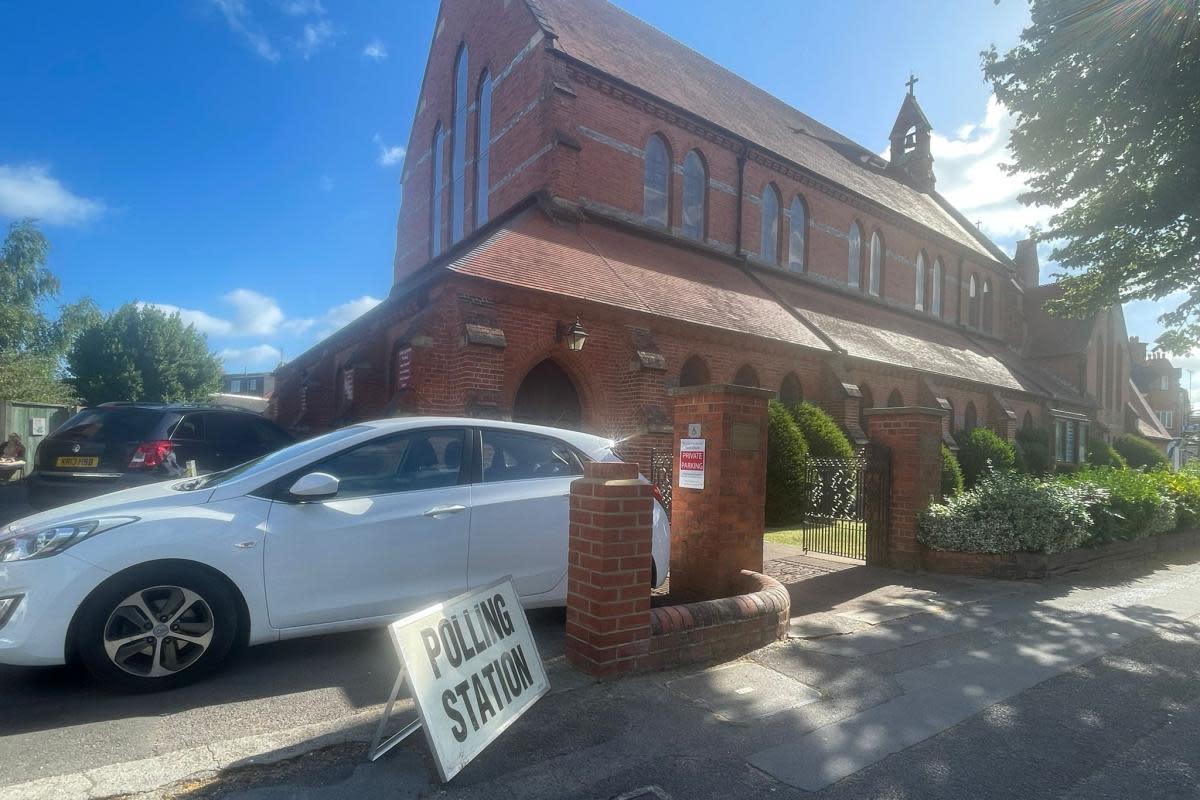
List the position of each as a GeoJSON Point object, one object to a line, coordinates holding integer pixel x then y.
{"type": "Point", "coordinates": [17, 544]}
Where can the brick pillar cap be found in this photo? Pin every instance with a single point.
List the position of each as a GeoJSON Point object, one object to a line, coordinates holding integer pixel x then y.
{"type": "Point", "coordinates": [720, 388]}
{"type": "Point", "coordinates": [899, 410]}
{"type": "Point", "coordinates": [610, 471]}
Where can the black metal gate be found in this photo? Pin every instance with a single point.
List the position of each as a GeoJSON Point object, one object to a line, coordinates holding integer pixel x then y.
{"type": "Point", "coordinates": [662, 470]}
{"type": "Point", "coordinates": [847, 510]}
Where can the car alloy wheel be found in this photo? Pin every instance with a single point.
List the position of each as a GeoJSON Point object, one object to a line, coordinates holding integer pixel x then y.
{"type": "Point", "coordinates": [159, 631]}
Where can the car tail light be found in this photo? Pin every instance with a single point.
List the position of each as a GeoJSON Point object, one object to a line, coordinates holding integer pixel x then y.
{"type": "Point", "coordinates": [150, 454]}
{"type": "Point", "coordinates": [658, 495]}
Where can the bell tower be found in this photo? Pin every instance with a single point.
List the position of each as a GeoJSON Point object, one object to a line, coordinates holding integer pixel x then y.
{"type": "Point", "coordinates": [911, 159]}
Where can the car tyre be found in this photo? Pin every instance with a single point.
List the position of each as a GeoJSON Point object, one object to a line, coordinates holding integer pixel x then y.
{"type": "Point", "coordinates": [156, 627]}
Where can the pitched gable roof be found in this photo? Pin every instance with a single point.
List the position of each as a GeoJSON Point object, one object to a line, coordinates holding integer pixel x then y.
{"type": "Point", "coordinates": [1049, 335]}
{"type": "Point", "coordinates": [615, 42]}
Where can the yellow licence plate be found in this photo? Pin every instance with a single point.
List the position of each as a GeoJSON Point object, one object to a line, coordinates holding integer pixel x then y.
{"type": "Point", "coordinates": [76, 461]}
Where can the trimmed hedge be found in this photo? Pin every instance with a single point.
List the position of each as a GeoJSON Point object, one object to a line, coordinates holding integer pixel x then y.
{"type": "Point", "coordinates": [823, 436]}
{"type": "Point", "coordinates": [786, 452]}
{"type": "Point", "coordinates": [1139, 452]}
{"type": "Point", "coordinates": [979, 449]}
{"type": "Point", "coordinates": [1035, 451]}
{"type": "Point", "coordinates": [952, 477]}
{"type": "Point", "coordinates": [1101, 454]}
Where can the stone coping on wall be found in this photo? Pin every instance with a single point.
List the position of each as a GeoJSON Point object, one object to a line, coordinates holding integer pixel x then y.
{"type": "Point", "coordinates": [1017, 566]}
{"type": "Point", "coordinates": [720, 629]}
{"type": "Point", "coordinates": [719, 388]}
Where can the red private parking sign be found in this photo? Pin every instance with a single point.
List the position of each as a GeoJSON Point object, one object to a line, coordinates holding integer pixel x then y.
{"type": "Point", "coordinates": [691, 463]}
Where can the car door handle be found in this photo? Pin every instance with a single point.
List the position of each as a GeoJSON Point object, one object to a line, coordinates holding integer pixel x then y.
{"type": "Point", "coordinates": [439, 511]}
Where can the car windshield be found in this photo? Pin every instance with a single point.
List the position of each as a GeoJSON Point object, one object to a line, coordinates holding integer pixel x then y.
{"type": "Point", "coordinates": [269, 460]}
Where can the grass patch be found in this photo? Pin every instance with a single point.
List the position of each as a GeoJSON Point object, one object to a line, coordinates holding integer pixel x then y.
{"type": "Point", "coordinates": [844, 538]}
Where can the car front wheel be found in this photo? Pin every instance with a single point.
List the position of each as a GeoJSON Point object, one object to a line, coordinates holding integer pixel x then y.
{"type": "Point", "coordinates": [156, 627]}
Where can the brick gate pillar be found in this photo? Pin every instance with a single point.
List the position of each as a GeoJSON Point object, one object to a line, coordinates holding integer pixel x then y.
{"type": "Point", "coordinates": [914, 435]}
{"type": "Point", "coordinates": [608, 568]}
{"type": "Point", "coordinates": [717, 531]}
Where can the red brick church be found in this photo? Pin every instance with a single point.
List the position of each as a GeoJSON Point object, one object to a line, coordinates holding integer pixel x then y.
{"type": "Point", "coordinates": [594, 213]}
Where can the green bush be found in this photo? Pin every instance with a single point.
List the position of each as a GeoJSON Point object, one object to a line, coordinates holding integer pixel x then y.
{"type": "Point", "coordinates": [1101, 454]}
{"type": "Point", "coordinates": [952, 477]}
{"type": "Point", "coordinates": [1006, 512]}
{"type": "Point", "coordinates": [823, 436]}
{"type": "Point", "coordinates": [1184, 488]}
{"type": "Point", "coordinates": [1136, 507]}
{"type": "Point", "coordinates": [980, 448]}
{"type": "Point", "coordinates": [1139, 452]}
{"type": "Point", "coordinates": [786, 452]}
{"type": "Point", "coordinates": [1035, 451]}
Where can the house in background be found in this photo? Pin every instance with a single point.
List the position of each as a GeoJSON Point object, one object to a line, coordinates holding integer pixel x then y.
{"type": "Point", "coordinates": [252, 384]}
{"type": "Point", "coordinates": [1161, 383]}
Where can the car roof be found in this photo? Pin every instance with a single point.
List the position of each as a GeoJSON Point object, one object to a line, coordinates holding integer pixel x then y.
{"type": "Point", "coordinates": [173, 407]}
{"type": "Point", "coordinates": [586, 441]}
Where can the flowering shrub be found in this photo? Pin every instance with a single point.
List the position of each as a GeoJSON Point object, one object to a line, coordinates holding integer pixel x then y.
{"type": "Point", "coordinates": [1006, 512]}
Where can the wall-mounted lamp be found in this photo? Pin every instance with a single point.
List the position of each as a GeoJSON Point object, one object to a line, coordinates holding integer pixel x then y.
{"type": "Point", "coordinates": [573, 334]}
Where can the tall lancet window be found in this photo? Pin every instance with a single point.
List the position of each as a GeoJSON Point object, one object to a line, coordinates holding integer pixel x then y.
{"type": "Point", "coordinates": [854, 255]}
{"type": "Point", "coordinates": [936, 306]}
{"type": "Point", "coordinates": [656, 183]}
{"type": "Point", "coordinates": [876, 276]}
{"type": "Point", "coordinates": [483, 145]}
{"type": "Point", "coordinates": [695, 192]}
{"type": "Point", "coordinates": [458, 150]}
{"type": "Point", "coordinates": [919, 288]}
{"type": "Point", "coordinates": [438, 187]}
{"type": "Point", "coordinates": [797, 230]}
{"type": "Point", "coordinates": [988, 311]}
{"type": "Point", "coordinates": [770, 225]}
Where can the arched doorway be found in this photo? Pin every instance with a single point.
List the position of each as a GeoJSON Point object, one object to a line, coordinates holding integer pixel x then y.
{"type": "Point", "coordinates": [547, 396]}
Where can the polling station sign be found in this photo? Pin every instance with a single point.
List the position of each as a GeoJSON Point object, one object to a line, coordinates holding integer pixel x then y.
{"type": "Point", "coordinates": [473, 669]}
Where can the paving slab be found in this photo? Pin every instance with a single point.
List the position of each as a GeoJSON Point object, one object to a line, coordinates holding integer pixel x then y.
{"type": "Point", "coordinates": [744, 691]}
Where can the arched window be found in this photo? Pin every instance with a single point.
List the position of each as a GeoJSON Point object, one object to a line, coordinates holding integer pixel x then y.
{"type": "Point", "coordinates": [770, 224]}
{"type": "Point", "coordinates": [919, 284]}
{"type": "Point", "coordinates": [988, 311]}
{"type": "Point", "coordinates": [790, 391]}
{"type": "Point", "coordinates": [1027, 422]}
{"type": "Point", "coordinates": [895, 400]}
{"type": "Point", "coordinates": [746, 376]}
{"type": "Point", "coordinates": [694, 373]}
{"type": "Point", "coordinates": [867, 401]}
{"type": "Point", "coordinates": [458, 150]}
{"type": "Point", "coordinates": [695, 195]}
{"type": "Point", "coordinates": [875, 281]}
{"type": "Point", "coordinates": [936, 300]}
{"type": "Point", "coordinates": [656, 183]}
{"type": "Point", "coordinates": [436, 209]}
{"type": "Point", "coordinates": [797, 233]}
{"type": "Point", "coordinates": [973, 303]}
{"type": "Point", "coordinates": [854, 253]}
{"type": "Point", "coordinates": [970, 418]}
{"type": "Point", "coordinates": [483, 146]}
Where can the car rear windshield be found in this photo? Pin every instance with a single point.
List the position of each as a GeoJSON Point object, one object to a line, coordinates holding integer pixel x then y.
{"type": "Point", "coordinates": [109, 425]}
{"type": "Point", "coordinates": [269, 460]}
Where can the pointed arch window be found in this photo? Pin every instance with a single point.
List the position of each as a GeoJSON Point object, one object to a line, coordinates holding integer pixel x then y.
{"type": "Point", "coordinates": [936, 299]}
{"type": "Point", "coordinates": [656, 182]}
{"type": "Point", "coordinates": [694, 372]}
{"type": "Point", "coordinates": [875, 279]}
{"type": "Point", "coordinates": [797, 233]}
{"type": "Point", "coordinates": [973, 302]}
{"type": "Point", "coordinates": [746, 376]}
{"type": "Point", "coordinates": [436, 209]}
{"type": "Point", "coordinates": [854, 260]}
{"type": "Point", "coordinates": [769, 251]}
{"type": "Point", "coordinates": [791, 391]}
{"type": "Point", "coordinates": [483, 146]}
{"type": "Point", "coordinates": [695, 196]}
{"type": "Point", "coordinates": [988, 311]}
{"type": "Point", "coordinates": [970, 417]}
{"type": "Point", "coordinates": [919, 284]}
{"type": "Point", "coordinates": [458, 150]}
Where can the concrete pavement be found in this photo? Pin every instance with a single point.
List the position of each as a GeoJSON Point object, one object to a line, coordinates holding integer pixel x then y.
{"type": "Point", "coordinates": [900, 686]}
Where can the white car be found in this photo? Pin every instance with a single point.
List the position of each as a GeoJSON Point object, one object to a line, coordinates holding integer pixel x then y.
{"type": "Point", "coordinates": [152, 587]}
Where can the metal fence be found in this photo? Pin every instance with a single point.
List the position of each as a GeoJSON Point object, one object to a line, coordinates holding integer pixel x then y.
{"type": "Point", "coordinates": [662, 468]}
{"type": "Point", "coordinates": [846, 512]}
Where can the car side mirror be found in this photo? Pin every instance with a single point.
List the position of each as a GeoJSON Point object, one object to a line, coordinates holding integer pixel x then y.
{"type": "Point", "coordinates": [315, 486]}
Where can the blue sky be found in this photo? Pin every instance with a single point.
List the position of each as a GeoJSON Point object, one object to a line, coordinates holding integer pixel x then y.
{"type": "Point", "coordinates": [239, 159]}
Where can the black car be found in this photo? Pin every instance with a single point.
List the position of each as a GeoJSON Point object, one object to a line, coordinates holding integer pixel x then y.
{"type": "Point", "coordinates": [115, 446]}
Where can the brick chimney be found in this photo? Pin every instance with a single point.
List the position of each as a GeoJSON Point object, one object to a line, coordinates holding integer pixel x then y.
{"type": "Point", "coordinates": [1028, 270]}
{"type": "Point", "coordinates": [1137, 350]}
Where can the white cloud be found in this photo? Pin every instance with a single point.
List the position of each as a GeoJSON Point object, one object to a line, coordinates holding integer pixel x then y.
{"type": "Point", "coordinates": [375, 50]}
{"type": "Point", "coordinates": [31, 191]}
{"type": "Point", "coordinates": [254, 314]}
{"type": "Point", "coordinates": [341, 315]}
{"type": "Point", "coordinates": [326, 183]}
{"type": "Point", "coordinates": [260, 356]}
{"type": "Point", "coordinates": [237, 16]}
{"type": "Point", "coordinates": [388, 156]}
{"type": "Point", "coordinates": [203, 322]}
{"type": "Point", "coordinates": [315, 37]}
{"type": "Point", "coordinates": [968, 167]}
{"type": "Point", "coordinates": [302, 8]}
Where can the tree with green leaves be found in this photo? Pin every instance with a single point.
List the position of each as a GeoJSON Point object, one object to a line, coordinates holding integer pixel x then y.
{"type": "Point", "coordinates": [1106, 98]}
{"type": "Point", "coordinates": [141, 353]}
{"type": "Point", "coordinates": [31, 344]}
